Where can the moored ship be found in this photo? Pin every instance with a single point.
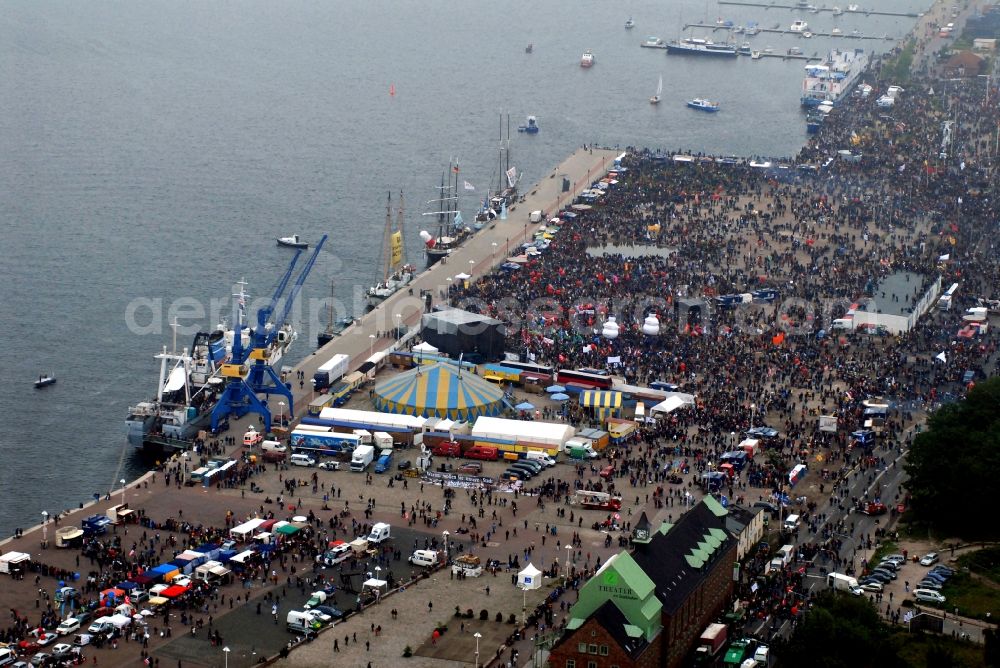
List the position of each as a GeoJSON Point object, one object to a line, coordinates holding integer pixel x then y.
{"type": "Point", "coordinates": [829, 80]}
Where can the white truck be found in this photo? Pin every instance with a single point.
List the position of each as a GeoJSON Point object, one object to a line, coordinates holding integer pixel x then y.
{"type": "Point", "coordinates": [14, 562]}
{"type": "Point", "coordinates": [382, 440]}
{"type": "Point", "coordinates": [782, 558]}
{"type": "Point", "coordinates": [380, 533]}
{"type": "Point", "coordinates": [841, 582]}
{"type": "Point", "coordinates": [362, 457]}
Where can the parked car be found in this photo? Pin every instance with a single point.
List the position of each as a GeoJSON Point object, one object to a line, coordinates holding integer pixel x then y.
{"type": "Point", "coordinates": [943, 570]}
{"type": "Point", "coordinates": [473, 468]}
{"type": "Point", "coordinates": [895, 557]}
{"type": "Point", "coordinates": [937, 577]}
{"type": "Point", "coordinates": [41, 659]}
{"type": "Point", "coordinates": [404, 465]}
{"type": "Point", "coordinates": [889, 565]}
{"type": "Point", "coordinates": [882, 577]}
{"type": "Point", "coordinates": [62, 650]}
{"type": "Point", "coordinates": [929, 559]}
{"type": "Point", "coordinates": [872, 586]}
{"type": "Point", "coordinates": [329, 466]}
{"type": "Point", "coordinates": [68, 625]}
{"type": "Point", "coordinates": [330, 611]}
{"type": "Point", "coordinates": [891, 574]}
{"type": "Point", "coordinates": [926, 596]}
{"type": "Point", "coordinates": [929, 584]}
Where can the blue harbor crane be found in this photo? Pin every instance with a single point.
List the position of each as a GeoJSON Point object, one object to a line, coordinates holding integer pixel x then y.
{"type": "Point", "coordinates": [249, 372]}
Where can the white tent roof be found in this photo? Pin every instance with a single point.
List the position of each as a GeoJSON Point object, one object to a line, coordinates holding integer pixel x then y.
{"type": "Point", "coordinates": [529, 578]}
{"type": "Point", "coordinates": [463, 276]}
{"type": "Point", "coordinates": [375, 583]}
{"type": "Point", "coordinates": [544, 433]}
{"type": "Point", "coordinates": [672, 403]}
{"type": "Point", "coordinates": [424, 348]}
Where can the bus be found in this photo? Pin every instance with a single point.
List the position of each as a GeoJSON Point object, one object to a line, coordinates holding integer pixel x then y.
{"type": "Point", "coordinates": [597, 379]}
{"type": "Point", "coordinates": [597, 500]}
{"type": "Point", "coordinates": [530, 367]}
{"type": "Point", "coordinates": [944, 303]}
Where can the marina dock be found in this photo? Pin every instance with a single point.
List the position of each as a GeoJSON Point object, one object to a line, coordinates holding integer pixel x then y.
{"type": "Point", "coordinates": [782, 31]}
{"type": "Point", "coordinates": [771, 5]}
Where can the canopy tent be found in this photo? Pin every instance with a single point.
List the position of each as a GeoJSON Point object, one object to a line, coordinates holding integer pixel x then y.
{"type": "Point", "coordinates": [525, 406]}
{"type": "Point", "coordinates": [600, 399]}
{"type": "Point", "coordinates": [559, 396]}
{"type": "Point", "coordinates": [555, 389]}
{"type": "Point", "coordinates": [674, 401]}
{"type": "Point", "coordinates": [439, 390]}
{"type": "Point", "coordinates": [424, 348]}
{"type": "Point", "coordinates": [287, 529]}
{"type": "Point", "coordinates": [375, 583]}
{"type": "Point", "coordinates": [463, 276]}
{"type": "Point", "coordinates": [529, 578]}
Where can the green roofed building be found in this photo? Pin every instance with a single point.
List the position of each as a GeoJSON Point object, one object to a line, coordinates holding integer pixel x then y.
{"type": "Point", "coordinates": [648, 607]}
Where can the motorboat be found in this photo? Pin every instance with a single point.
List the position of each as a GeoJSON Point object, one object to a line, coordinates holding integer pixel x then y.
{"type": "Point", "coordinates": [530, 127]}
{"type": "Point", "coordinates": [587, 59]}
{"type": "Point", "coordinates": [814, 121]}
{"type": "Point", "coordinates": [751, 30]}
{"type": "Point", "coordinates": [292, 242]}
{"type": "Point", "coordinates": [799, 26]}
{"type": "Point", "coordinates": [653, 43]}
{"type": "Point", "coordinates": [659, 92]}
{"type": "Point", "coordinates": [807, 34]}
{"type": "Point", "coordinates": [795, 51]}
{"type": "Point", "coordinates": [45, 381]}
{"type": "Point", "coordinates": [755, 55]}
{"type": "Point", "coordinates": [703, 105]}
{"type": "Point", "coordinates": [629, 24]}
{"type": "Point", "coordinates": [529, 48]}
{"type": "Point", "coordinates": [745, 49]}
{"type": "Point", "coordinates": [852, 8]}
{"type": "Point", "coordinates": [837, 11]}
{"type": "Point", "coordinates": [835, 32]}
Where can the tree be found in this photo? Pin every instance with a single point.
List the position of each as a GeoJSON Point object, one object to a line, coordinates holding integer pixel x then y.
{"type": "Point", "coordinates": [839, 631]}
{"type": "Point", "coordinates": [953, 466]}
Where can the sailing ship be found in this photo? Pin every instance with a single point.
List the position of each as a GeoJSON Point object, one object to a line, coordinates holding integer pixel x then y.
{"type": "Point", "coordinates": [396, 273]}
{"type": "Point", "coordinates": [334, 328]}
{"type": "Point", "coordinates": [506, 192]}
{"type": "Point", "coordinates": [452, 230]}
{"type": "Point", "coordinates": [659, 92]}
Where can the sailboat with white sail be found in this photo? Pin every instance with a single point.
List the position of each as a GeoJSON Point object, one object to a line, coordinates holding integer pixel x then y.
{"type": "Point", "coordinates": [659, 92]}
{"type": "Point", "coordinates": [396, 273]}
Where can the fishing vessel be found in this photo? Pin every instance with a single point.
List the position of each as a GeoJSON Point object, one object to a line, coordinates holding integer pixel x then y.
{"type": "Point", "coordinates": [830, 79]}
{"type": "Point", "coordinates": [45, 381]}
{"type": "Point", "coordinates": [530, 126]}
{"type": "Point", "coordinates": [190, 381]}
{"type": "Point", "coordinates": [703, 105]}
{"type": "Point", "coordinates": [292, 242]}
{"type": "Point", "coordinates": [452, 230]}
{"type": "Point", "coordinates": [799, 26]}
{"type": "Point", "coordinates": [653, 43]}
{"type": "Point", "coordinates": [659, 92]}
{"type": "Point", "coordinates": [697, 46]}
{"type": "Point", "coordinates": [587, 59]}
{"type": "Point", "coordinates": [396, 274]}
{"type": "Point", "coordinates": [629, 24]}
{"type": "Point", "coordinates": [745, 49]}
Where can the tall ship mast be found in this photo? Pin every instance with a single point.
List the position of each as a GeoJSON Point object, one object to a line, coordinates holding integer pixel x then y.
{"type": "Point", "coordinates": [396, 273]}
{"type": "Point", "coordinates": [452, 230]}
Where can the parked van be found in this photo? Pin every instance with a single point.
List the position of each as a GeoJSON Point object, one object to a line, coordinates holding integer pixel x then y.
{"type": "Point", "coordinates": [540, 457]}
{"type": "Point", "coordinates": [298, 621]}
{"type": "Point", "coordinates": [101, 625]}
{"type": "Point", "coordinates": [447, 449]}
{"type": "Point", "coordinates": [300, 459]}
{"type": "Point", "coordinates": [380, 533]}
{"type": "Point", "coordinates": [273, 446]}
{"type": "Point", "coordinates": [792, 523]}
{"type": "Point", "coordinates": [486, 452]}
{"type": "Point", "coordinates": [426, 558]}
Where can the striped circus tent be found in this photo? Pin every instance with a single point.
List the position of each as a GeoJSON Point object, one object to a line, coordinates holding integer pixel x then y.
{"type": "Point", "coordinates": [601, 399]}
{"type": "Point", "coordinates": [439, 390]}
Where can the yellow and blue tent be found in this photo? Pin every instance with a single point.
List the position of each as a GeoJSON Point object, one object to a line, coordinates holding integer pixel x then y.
{"type": "Point", "coordinates": [439, 390]}
{"type": "Point", "coordinates": [600, 399]}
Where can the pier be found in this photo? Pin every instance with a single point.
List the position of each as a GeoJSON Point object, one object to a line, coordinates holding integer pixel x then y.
{"type": "Point", "coordinates": [784, 31]}
{"type": "Point", "coordinates": [771, 5]}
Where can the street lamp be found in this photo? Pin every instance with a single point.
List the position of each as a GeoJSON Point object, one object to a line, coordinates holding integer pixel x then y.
{"type": "Point", "coordinates": [226, 650]}
{"type": "Point", "coordinates": [399, 325]}
{"type": "Point", "coordinates": [371, 345]}
{"type": "Point", "coordinates": [122, 481]}
{"type": "Point", "coordinates": [493, 255]}
{"type": "Point", "coordinates": [281, 413]}
{"type": "Point", "coordinates": [477, 636]}
{"type": "Point", "coordinates": [472, 264]}
{"type": "Point", "coordinates": [569, 555]}
{"type": "Point", "coordinates": [524, 605]}
{"type": "Point", "coordinates": [45, 528]}
{"type": "Point", "coordinates": [448, 301]}
{"type": "Point", "coordinates": [753, 407]}
{"type": "Point", "coordinates": [446, 534]}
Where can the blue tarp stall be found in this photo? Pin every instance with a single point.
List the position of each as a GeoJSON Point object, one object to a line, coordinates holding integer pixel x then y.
{"type": "Point", "coordinates": [210, 550]}
{"type": "Point", "coordinates": [183, 565]}
{"type": "Point", "coordinates": [225, 555]}
{"type": "Point", "coordinates": [221, 473]}
{"type": "Point", "coordinates": [126, 586]}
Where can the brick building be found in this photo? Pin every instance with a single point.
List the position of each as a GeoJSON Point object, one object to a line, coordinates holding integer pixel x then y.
{"type": "Point", "coordinates": [649, 606]}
